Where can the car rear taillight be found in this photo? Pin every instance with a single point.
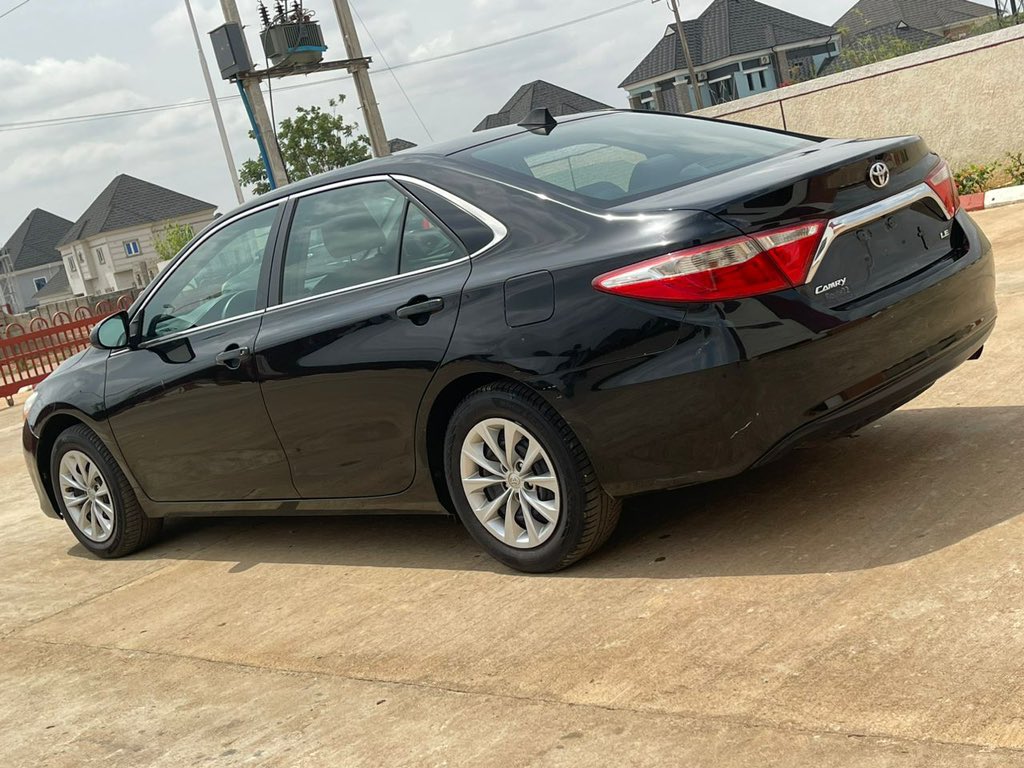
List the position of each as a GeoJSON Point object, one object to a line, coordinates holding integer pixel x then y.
{"type": "Point", "coordinates": [942, 183]}
{"type": "Point", "coordinates": [731, 269]}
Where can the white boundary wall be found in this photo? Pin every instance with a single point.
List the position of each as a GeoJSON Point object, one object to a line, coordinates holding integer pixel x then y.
{"type": "Point", "coordinates": [965, 98]}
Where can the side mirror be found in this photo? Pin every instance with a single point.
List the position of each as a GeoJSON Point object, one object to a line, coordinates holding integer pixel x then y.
{"type": "Point", "coordinates": [111, 332]}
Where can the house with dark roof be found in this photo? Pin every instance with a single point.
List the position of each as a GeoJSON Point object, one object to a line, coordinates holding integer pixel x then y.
{"type": "Point", "coordinates": [57, 289]}
{"type": "Point", "coordinates": [557, 100]}
{"type": "Point", "coordinates": [111, 246]}
{"type": "Point", "coordinates": [30, 259]}
{"type": "Point", "coordinates": [949, 19]}
{"type": "Point", "coordinates": [901, 26]}
{"type": "Point", "coordinates": [738, 47]}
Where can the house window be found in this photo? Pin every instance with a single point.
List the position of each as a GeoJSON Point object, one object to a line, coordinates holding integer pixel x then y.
{"type": "Point", "coordinates": [721, 90]}
{"type": "Point", "coordinates": [100, 257]}
{"type": "Point", "coordinates": [81, 257]}
{"type": "Point", "coordinates": [71, 265]}
{"type": "Point", "coordinates": [756, 80]}
{"type": "Point", "coordinates": [40, 283]}
{"type": "Point", "coordinates": [131, 248]}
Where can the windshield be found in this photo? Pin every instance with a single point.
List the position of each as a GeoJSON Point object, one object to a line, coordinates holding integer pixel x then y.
{"type": "Point", "coordinates": [622, 156]}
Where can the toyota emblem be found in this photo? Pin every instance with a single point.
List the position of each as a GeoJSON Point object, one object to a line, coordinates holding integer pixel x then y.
{"type": "Point", "coordinates": [879, 175]}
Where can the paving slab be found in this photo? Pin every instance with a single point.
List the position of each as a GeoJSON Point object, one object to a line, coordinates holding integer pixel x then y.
{"type": "Point", "coordinates": [135, 709]}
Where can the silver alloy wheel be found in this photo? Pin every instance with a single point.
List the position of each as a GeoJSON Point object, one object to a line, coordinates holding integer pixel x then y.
{"type": "Point", "coordinates": [510, 483]}
{"type": "Point", "coordinates": [86, 496]}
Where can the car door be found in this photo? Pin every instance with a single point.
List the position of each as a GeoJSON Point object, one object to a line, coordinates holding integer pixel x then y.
{"type": "Point", "coordinates": [369, 286]}
{"type": "Point", "coordinates": [184, 400]}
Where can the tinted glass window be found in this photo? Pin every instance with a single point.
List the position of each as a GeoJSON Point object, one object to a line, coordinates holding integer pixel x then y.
{"type": "Point", "coordinates": [343, 237]}
{"type": "Point", "coordinates": [473, 233]}
{"type": "Point", "coordinates": [217, 281]}
{"type": "Point", "coordinates": [424, 243]}
{"type": "Point", "coordinates": [627, 155]}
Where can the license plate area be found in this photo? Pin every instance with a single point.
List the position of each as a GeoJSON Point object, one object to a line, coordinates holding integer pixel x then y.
{"type": "Point", "coordinates": [880, 253]}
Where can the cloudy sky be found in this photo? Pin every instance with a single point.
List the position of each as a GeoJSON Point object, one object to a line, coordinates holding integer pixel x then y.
{"type": "Point", "coordinates": [62, 58]}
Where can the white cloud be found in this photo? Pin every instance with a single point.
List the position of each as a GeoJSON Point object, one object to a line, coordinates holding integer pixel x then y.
{"type": "Point", "coordinates": [434, 47]}
{"type": "Point", "coordinates": [51, 84]}
{"type": "Point", "coordinates": [173, 28]}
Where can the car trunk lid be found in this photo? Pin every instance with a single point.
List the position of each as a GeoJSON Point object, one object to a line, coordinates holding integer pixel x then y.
{"type": "Point", "coordinates": [883, 227]}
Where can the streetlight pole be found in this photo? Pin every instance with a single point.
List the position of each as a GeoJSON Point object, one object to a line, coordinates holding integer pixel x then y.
{"type": "Point", "coordinates": [674, 5]}
{"type": "Point", "coordinates": [232, 170]}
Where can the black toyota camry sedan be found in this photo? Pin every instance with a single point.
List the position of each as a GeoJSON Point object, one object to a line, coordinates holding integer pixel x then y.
{"type": "Point", "coordinates": [521, 327]}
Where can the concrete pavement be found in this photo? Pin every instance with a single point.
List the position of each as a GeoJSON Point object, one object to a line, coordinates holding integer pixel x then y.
{"type": "Point", "coordinates": [858, 604]}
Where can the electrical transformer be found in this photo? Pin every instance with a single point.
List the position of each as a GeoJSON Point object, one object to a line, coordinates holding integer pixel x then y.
{"type": "Point", "coordinates": [291, 36]}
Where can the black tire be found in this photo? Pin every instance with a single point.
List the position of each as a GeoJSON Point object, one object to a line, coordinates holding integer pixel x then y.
{"type": "Point", "coordinates": [588, 515]}
{"type": "Point", "coordinates": [132, 530]}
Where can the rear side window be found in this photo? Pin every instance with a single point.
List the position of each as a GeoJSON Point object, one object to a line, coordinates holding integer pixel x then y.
{"type": "Point", "coordinates": [473, 233]}
{"type": "Point", "coordinates": [623, 156]}
{"type": "Point", "coordinates": [342, 238]}
{"type": "Point", "coordinates": [424, 243]}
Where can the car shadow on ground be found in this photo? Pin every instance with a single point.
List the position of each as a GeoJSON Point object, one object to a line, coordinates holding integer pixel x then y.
{"type": "Point", "coordinates": [916, 482]}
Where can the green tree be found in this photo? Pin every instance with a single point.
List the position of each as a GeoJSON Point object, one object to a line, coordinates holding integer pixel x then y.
{"type": "Point", "coordinates": [174, 237]}
{"type": "Point", "coordinates": [312, 142]}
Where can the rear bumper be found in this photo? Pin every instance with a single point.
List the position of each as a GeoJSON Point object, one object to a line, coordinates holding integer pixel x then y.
{"type": "Point", "coordinates": [901, 385]}
{"type": "Point", "coordinates": [763, 375]}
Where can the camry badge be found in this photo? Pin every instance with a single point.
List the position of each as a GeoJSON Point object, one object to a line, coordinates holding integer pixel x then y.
{"type": "Point", "coordinates": [879, 175]}
{"type": "Point", "coordinates": [829, 286]}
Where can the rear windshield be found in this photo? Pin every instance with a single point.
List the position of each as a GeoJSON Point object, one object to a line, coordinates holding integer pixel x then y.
{"type": "Point", "coordinates": [623, 156]}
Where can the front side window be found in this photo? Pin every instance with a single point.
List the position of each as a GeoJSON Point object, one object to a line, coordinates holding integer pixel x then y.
{"type": "Point", "coordinates": [40, 283]}
{"type": "Point", "coordinates": [342, 238]}
{"type": "Point", "coordinates": [216, 281]}
{"type": "Point", "coordinates": [131, 248]}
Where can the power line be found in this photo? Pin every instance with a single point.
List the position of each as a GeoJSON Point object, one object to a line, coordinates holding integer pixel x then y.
{"type": "Point", "coordinates": [71, 119]}
{"type": "Point", "coordinates": [523, 36]}
{"type": "Point", "coordinates": [393, 75]}
{"type": "Point", "coordinates": [12, 9]}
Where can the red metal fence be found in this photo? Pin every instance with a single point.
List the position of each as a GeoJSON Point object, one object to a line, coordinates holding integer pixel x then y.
{"type": "Point", "coordinates": [29, 355]}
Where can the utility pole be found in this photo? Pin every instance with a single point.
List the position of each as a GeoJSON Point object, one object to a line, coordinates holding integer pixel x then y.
{"type": "Point", "coordinates": [232, 170]}
{"type": "Point", "coordinates": [674, 5]}
{"type": "Point", "coordinates": [261, 118]}
{"type": "Point", "coordinates": [360, 73]}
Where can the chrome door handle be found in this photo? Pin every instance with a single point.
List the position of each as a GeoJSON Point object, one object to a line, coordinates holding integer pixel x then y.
{"type": "Point", "coordinates": [419, 308]}
{"type": "Point", "coordinates": [232, 357]}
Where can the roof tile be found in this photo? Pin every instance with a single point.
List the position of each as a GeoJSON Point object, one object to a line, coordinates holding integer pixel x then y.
{"type": "Point", "coordinates": [726, 28]}
{"type": "Point", "coordinates": [34, 242]}
{"type": "Point", "coordinates": [920, 14]}
{"type": "Point", "coordinates": [557, 100]}
{"type": "Point", "coordinates": [129, 202]}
